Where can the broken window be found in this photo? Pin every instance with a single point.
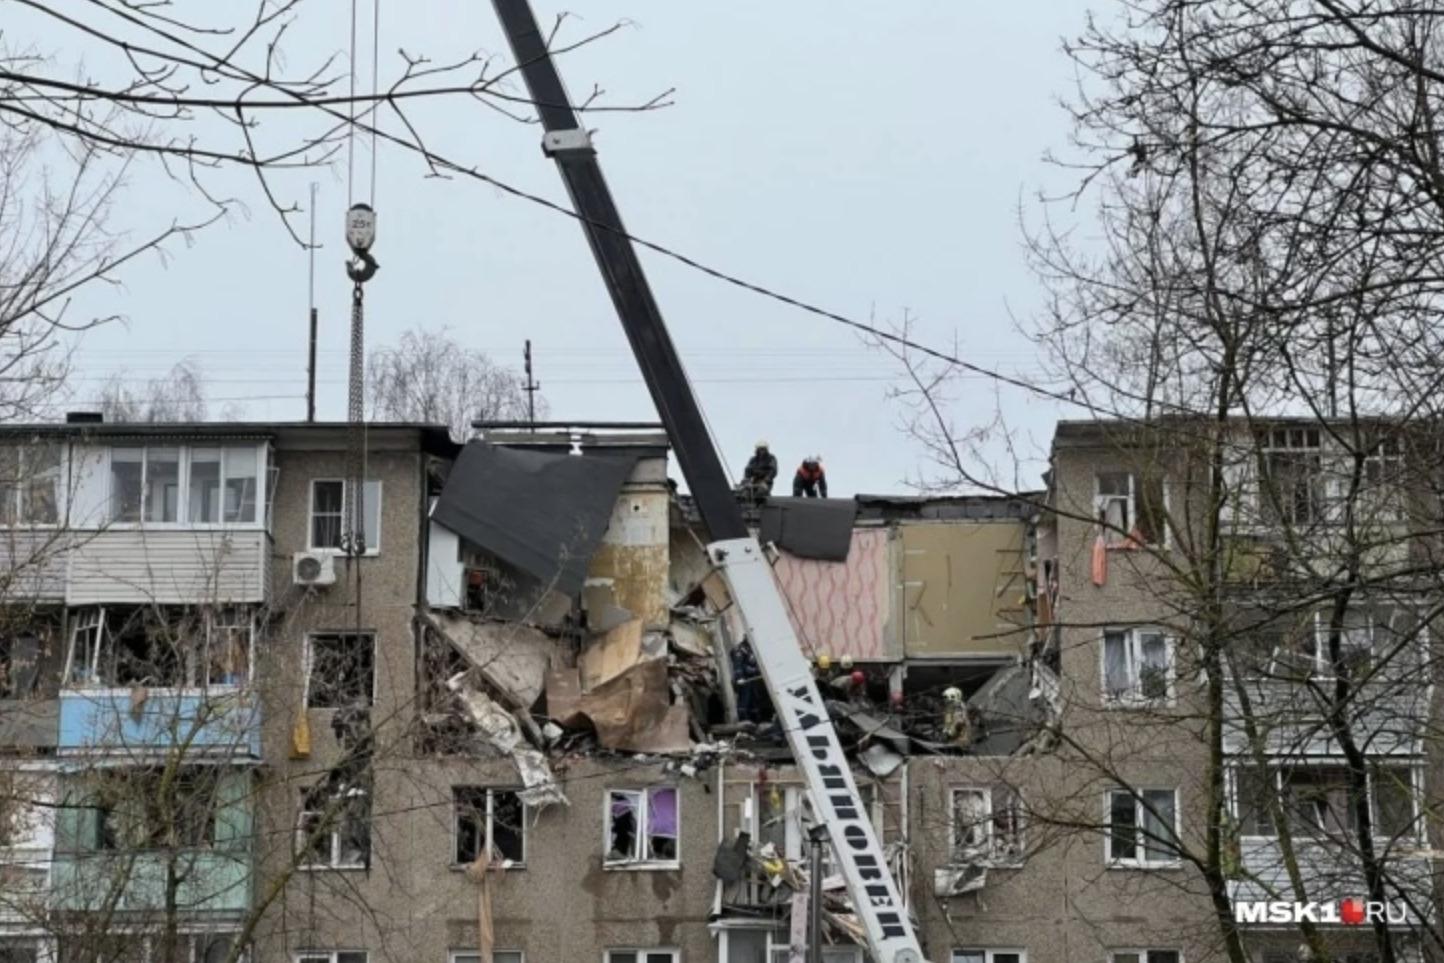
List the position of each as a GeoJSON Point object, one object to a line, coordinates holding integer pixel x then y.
{"type": "Point", "coordinates": [328, 514]}
{"type": "Point", "coordinates": [987, 826]}
{"type": "Point", "coordinates": [19, 664]}
{"type": "Point", "coordinates": [1131, 508]}
{"type": "Point", "coordinates": [641, 826]}
{"type": "Point", "coordinates": [633, 955]}
{"type": "Point", "coordinates": [334, 831]}
{"type": "Point", "coordinates": [490, 820]}
{"type": "Point", "coordinates": [989, 956]}
{"type": "Point", "coordinates": [1137, 666]}
{"type": "Point", "coordinates": [229, 636]}
{"type": "Point", "coordinates": [1143, 828]}
{"type": "Point", "coordinates": [340, 669]}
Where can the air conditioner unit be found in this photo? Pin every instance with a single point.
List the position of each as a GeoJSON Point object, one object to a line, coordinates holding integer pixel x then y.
{"type": "Point", "coordinates": [313, 568]}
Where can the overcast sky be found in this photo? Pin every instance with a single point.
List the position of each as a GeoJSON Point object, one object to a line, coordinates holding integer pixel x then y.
{"type": "Point", "coordinates": [868, 157]}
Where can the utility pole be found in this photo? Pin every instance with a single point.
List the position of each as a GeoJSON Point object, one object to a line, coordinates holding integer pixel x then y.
{"type": "Point", "coordinates": [311, 358]}
{"type": "Point", "coordinates": [817, 836]}
{"type": "Point", "coordinates": [531, 387]}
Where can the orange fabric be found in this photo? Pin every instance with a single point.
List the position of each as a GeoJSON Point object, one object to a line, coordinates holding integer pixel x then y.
{"type": "Point", "coordinates": [1100, 561]}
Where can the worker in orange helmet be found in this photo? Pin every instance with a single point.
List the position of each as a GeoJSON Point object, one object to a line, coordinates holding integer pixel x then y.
{"type": "Point", "coordinates": [810, 480]}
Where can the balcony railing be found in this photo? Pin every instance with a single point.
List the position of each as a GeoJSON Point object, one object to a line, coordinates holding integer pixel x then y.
{"type": "Point", "coordinates": [211, 722]}
{"type": "Point", "coordinates": [207, 881]}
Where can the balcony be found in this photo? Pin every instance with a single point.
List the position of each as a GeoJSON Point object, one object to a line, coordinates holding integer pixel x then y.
{"type": "Point", "coordinates": [1327, 874]}
{"type": "Point", "coordinates": [209, 881]}
{"type": "Point", "coordinates": [220, 722]}
{"type": "Point", "coordinates": [169, 566]}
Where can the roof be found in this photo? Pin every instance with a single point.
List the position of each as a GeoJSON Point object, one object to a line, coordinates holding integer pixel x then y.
{"type": "Point", "coordinates": [431, 438]}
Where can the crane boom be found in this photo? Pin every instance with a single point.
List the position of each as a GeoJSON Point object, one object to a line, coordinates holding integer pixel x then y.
{"type": "Point", "coordinates": [875, 895]}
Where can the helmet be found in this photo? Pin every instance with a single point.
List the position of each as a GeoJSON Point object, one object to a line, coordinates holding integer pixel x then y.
{"type": "Point", "coordinates": [953, 694]}
{"type": "Point", "coordinates": [762, 443]}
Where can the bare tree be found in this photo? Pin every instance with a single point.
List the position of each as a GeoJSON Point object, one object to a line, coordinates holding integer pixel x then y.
{"type": "Point", "coordinates": [431, 377]}
{"type": "Point", "coordinates": [178, 396]}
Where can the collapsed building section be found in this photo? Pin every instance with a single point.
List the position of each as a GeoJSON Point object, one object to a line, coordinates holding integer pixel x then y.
{"type": "Point", "coordinates": [571, 610]}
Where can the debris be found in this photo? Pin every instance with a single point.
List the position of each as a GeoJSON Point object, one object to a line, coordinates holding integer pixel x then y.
{"type": "Point", "coordinates": [599, 599]}
{"type": "Point", "coordinates": [511, 657]}
{"type": "Point", "coordinates": [482, 874]}
{"type": "Point", "coordinates": [819, 528]}
{"type": "Point", "coordinates": [631, 712]}
{"type": "Point", "coordinates": [880, 760]}
{"type": "Point", "coordinates": [611, 654]}
{"type": "Point", "coordinates": [691, 638]}
{"type": "Point", "coordinates": [957, 880]}
{"type": "Point", "coordinates": [731, 860]}
{"type": "Point", "coordinates": [506, 501]}
{"type": "Point", "coordinates": [501, 729]}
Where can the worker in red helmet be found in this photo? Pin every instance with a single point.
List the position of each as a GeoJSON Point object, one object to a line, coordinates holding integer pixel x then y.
{"type": "Point", "coordinates": [810, 480]}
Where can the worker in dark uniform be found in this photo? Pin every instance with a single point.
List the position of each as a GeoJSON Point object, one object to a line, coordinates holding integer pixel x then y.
{"type": "Point", "coordinates": [810, 480]}
{"type": "Point", "coordinates": [760, 473]}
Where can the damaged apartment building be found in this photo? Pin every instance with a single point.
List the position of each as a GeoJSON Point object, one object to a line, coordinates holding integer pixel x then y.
{"type": "Point", "coordinates": [526, 723]}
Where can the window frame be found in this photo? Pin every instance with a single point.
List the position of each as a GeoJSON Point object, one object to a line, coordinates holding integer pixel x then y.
{"type": "Point", "coordinates": [308, 664]}
{"type": "Point", "coordinates": [641, 952]}
{"type": "Point", "coordinates": [1114, 539]}
{"type": "Point", "coordinates": [331, 956]}
{"type": "Point", "coordinates": [489, 818]}
{"type": "Point", "coordinates": [474, 956]}
{"type": "Point", "coordinates": [1412, 765]}
{"type": "Point", "coordinates": [195, 661]}
{"type": "Point", "coordinates": [371, 550]}
{"type": "Point", "coordinates": [1134, 697]}
{"type": "Point", "coordinates": [642, 862]}
{"type": "Point", "coordinates": [19, 495]}
{"type": "Point", "coordinates": [988, 953]}
{"type": "Point", "coordinates": [333, 862]}
{"type": "Point", "coordinates": [183, 487]}
{"type": "Point", "coordinates": [1144, 953]}
{"type": "Point", "coordinates": [992, 858]}
{"type": "Point", "coordinates": [1139, 860]}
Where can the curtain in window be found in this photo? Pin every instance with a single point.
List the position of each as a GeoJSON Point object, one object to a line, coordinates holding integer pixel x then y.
{"type": "Point", "coordinates": [1115, 664]}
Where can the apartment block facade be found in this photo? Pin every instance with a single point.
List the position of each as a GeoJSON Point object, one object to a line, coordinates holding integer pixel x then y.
{"type": "Point", "coordinates": [524, 716]}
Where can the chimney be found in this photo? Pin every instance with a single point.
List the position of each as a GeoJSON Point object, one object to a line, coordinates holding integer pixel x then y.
{"type": "Point", "coordinates": [84, 417]}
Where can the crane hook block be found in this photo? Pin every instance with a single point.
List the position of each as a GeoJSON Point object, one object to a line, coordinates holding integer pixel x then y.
{"type": "Point", "coordinates": [360, 228]}
{"type": "Point", "coordinates": [362, 267]}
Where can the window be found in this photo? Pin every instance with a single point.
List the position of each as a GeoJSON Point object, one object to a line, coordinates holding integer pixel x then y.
{"type": "Point", "coordinates": [492, 820]}
{"type": "Point", "coordinates": [1142, 828]}
{"type": "Point", "coordinates": [30, 481]}
{"type": "Point", "coordinates": [340, 670]}
{"type": "Point", "coordinates": [642, 956]}
{"type": "Point", "coordinates": [328, 515]}
{"type": "Point", "coordinates": [196, 486]}
{"type": "Point", "coordinates": [1137, 666]}
{"type": "Point", "coordinates": [1145, 956]}
{"type": "Point", "coordinates": [334, 832]}
{"type": "Point", "coordinates": [989, 956]}
{"type": "Point", "coordinates": [19, 951]}
{"type": "Point", "coordinates": [1131, 508]}
{"type": "Point", "coordinates": [152, 647]}
{"type": "Point", "coordinates": [987, 826]}
{"type": "Point", "coordinates": [1299, 647]}
{"type": "Point", "coordinates": [138, 948]}
{"type": "Point", "coordinates": [332, 956]}
{"type": "Point", "coordinates": [1383, 494]}
{"type": "Point", "coordinates": [1294, 482]}
{"type": "Point", "coordinates": [497, 956]}
{"type": "Point", "coordinates": [641, 826]}
{"type": "Point", "coordinates": [19, 664]}
{"type": "Point", "coordinates": [1318, 803]}
{"type": "Point", "coordinates": [133, 814]}
{"type": "Point", "coordinates": [783, 815]}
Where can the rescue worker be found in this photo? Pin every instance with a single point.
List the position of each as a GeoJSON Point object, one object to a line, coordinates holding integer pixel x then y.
{"type": "Point", "coordinates": [810, 480]}
{"type": "Point", "coordinates": [760, 473]}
